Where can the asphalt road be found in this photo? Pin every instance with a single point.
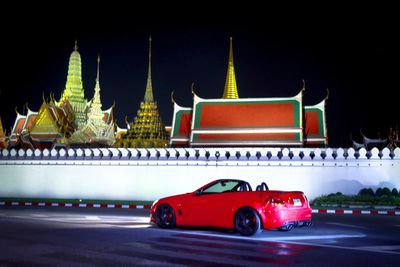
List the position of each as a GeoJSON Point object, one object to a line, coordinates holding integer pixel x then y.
{"type": "Point", "coordinates": [122, 237]}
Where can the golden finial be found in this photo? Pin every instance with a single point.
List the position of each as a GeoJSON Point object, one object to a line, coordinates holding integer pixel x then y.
{"type": "Point", "coordinates": [76, 45]}
{"type": "Point", "coordinates": [193, 92]}
{"type": "Point", "coordinates": [327, 94]}
{"type": "Point", "coordinates": [304, 85]}
{"type": "Point", "coordinates": [98, 64]}
{"type": "Point", "coordinates": [16, 110]}
{"type": "Point", "coordinates": [150, 45]}
{"type": "Point", "coordinates": [172, 97]}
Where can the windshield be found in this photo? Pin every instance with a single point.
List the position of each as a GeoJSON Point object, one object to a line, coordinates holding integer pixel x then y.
{"type": "Point", "coordinates": [227, 186]}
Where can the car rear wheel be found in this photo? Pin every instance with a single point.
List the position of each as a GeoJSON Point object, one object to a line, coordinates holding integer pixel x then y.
{"type": "Point", "coordinates": [165, 216]}
{"type": "Point", "coordinates": [247, 222]}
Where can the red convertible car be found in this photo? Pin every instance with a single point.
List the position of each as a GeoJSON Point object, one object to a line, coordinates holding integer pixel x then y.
{"type": "Point", "coordinates": [231, 204]}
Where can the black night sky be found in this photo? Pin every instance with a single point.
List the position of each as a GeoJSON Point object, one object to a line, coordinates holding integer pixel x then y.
{"type": "Point", "coordinates": [353, 52]}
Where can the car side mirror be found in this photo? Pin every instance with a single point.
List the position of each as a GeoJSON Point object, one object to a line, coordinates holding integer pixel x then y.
{"type": "Point", "coordinates": [197, 193]}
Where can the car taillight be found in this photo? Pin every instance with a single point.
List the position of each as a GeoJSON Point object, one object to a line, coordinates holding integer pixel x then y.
{"type": "Point", "coordinates": [276, 201]}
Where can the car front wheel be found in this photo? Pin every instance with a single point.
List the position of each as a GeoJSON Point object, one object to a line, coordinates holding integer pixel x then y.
{"type": "Point", "coordinates": [247, 222]}
{"type": "Point", "coordinates": [165, 216]}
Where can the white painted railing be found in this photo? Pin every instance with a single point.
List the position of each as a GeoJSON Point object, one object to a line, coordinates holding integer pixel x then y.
{"type": "Point", "coordinates": [207, 154]}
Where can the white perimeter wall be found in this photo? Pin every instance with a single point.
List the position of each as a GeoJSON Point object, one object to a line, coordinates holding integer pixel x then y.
{"type": "Point", "coordinates": [148, 174]}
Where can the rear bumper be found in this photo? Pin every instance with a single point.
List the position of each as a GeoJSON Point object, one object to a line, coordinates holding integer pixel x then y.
{"type": "Point", "coordinates": [277, 217]}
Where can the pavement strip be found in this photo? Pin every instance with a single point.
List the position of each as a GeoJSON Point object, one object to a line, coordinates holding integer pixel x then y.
{"type": "Point", "coordinates": [348, 225]}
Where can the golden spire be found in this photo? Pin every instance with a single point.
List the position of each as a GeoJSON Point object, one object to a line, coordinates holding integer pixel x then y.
{"type": "Point", "coordinates": [76, 45]}
{"type": "Point", "coordinates": [95, 114]}
{"type": "Point", "coordinates": [1, 127]}
{"type": "Point", "coordinates": [98, 64]}
{"type": "Point", "coordinates": [148, 96]}
{"type": "Point", "coordinates": [230, 90]}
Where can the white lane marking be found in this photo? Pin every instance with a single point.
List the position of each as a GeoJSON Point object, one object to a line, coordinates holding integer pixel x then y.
{"type": "Point", "coordinates": [310, 237]}
{"type": "Point", "coordinates": [134, 226]}
{"type": "Point", "coordinates": [270, 239]}
{"type": "Point", "coordinates": [341, 247]}
{"type": "Point", "coordinates": [92, 218]}
{"type": "Point", "coordinates": [348, 225]}
{"type": "Point", "coordinates": [38, 215]}
{"type": "Point", "coordinates": [380, 248]}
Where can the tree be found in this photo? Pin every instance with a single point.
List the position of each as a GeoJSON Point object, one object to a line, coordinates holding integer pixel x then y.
{"type": "Point", "coordinates": [366, 192]}
{"type": "Point", "coordinates": [386, 192]}
{"type": "Point", "coordinates": [395, 193]}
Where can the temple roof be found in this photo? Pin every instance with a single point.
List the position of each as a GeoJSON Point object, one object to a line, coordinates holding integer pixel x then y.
{"type": "Point", "coordinates": [30, 119]}
{"type": "Point", "coordinates": [230, 90]}
{"type": "Point", "coordinates": [2, 133]}
{"type": "Point", "coordinates": [315, 132]}
{"type": "Point", "coordinates": [18, 124]}
{"type": "Point", "coordinates": [247, 121]}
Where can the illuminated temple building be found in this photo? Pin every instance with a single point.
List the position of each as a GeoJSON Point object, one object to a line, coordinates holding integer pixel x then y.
{"type": "Point", "coordinates": [74, 92]}
{"type": "Point", "coordinates": [99, 127]}
{"type": "Point", "coordinates": [67, 122]}
{"type": "Point", "coordinates": [234, 121]}
{"type": "Point", "coordinates": [147, 128]}
{"type": "Point", "coordinates": [3, 136]}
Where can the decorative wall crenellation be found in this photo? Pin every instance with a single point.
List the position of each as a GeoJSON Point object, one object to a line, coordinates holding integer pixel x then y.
{"type": "Point", "coordinates": [203, 154]}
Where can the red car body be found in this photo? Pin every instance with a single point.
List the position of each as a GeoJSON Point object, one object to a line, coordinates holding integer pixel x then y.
{"type": "Point", "coordinates": [204, 207]}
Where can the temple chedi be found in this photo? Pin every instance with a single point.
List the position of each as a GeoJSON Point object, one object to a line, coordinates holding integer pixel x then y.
{"type": "Point", "coordinates": [147, 129]}
{"type": "Point", "coordinates": [230, 90]}
{"type": "Point", "coordinates": [74, 91]}
{"type": "Point", "coordinates": [99, 128]}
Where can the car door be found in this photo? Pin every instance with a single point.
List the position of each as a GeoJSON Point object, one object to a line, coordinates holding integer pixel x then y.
{"type": "Point", "coordinates": [198, 210]}
{"type": "Point", "coordinates": [209, 209]}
